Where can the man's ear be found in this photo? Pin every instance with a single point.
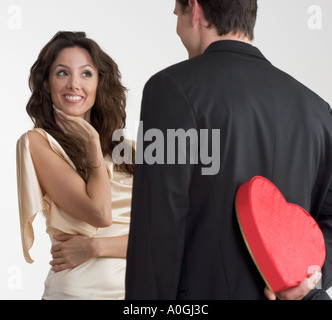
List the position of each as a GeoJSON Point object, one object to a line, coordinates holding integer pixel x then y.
{"type": "Point", "coordinates": [195, 12]}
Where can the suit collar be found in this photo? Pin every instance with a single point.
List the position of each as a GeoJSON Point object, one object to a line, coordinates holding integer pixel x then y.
{"type": "Point", "coordinates": [235, 47]}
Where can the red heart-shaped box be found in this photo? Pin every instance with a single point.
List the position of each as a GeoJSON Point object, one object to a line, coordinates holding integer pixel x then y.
{"type": "Point", "coordinates": [283, 239]}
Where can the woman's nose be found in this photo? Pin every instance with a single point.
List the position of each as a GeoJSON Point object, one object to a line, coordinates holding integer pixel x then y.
{"type": "Point", "coordinates": [73, 82]}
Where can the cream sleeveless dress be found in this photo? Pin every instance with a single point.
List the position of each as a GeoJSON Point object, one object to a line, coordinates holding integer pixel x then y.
{"type": "Point", "coordinates": [98, 278]}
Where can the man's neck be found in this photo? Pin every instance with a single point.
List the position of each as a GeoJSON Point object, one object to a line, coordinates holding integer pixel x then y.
{"type": "Point", "coordinates": [209, 37]}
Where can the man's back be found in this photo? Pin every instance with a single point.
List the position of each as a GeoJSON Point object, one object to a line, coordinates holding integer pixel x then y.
{"type": "Point", "coordinates": [270, 125]}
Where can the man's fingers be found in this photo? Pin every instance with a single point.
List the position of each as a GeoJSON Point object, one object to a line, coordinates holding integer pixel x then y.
{"type": "Point", "coordinates": [314, 279]}
{"type": "Point", "coordinates": [295, 293]}
{"type": "Point", "coordinates": [269, 294]}
{"type": "Point", "coordinates": [300, 291]}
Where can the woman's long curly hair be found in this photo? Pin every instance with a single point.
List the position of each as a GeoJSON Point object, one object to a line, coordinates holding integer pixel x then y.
{"type": "Point", "coordinates": [108, 113]}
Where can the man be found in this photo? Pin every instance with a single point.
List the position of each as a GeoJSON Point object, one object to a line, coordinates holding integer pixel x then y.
{"type": "Point", "coordinates": [184, 241]}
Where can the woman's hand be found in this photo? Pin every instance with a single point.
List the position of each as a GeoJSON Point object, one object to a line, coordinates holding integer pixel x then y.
{"type": "Point", "coordinates": [71, 252]}
{"type": "Point", "coordinates": [75, 126]}
{"type": "Point", "coordinates": [76, 249]}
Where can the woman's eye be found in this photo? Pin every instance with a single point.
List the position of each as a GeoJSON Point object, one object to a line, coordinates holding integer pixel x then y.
{"type": "Point", "coordinates": [87, 74]}
{"type": "Point", "coordinates": [61, 73]}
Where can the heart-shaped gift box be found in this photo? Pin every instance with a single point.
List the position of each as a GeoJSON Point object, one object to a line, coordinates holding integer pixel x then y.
{"type": "Point", "coordinates": [283, 239]}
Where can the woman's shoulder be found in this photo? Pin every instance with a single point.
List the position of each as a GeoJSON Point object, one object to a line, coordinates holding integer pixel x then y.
{"type": "Point", "coordinates": [36, 134]}
{"type": "Point", "coordinates": [30, 137]}
{"type": "Point", "coordinates": [37, 138]}
{"type": "Point", "coordinates": [33, 134]}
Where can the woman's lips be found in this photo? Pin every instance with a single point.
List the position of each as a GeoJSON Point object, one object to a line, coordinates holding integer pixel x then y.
{"type": "Point", "coordinates": [73, 99]}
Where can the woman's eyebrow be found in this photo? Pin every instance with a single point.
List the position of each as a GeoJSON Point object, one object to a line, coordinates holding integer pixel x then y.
{"type": "Point", "coordinates": [67, 67]}
{"type": "Point", "coordinates": [61, 66]}
{"type": "Point", "coordinates": [87, 65]}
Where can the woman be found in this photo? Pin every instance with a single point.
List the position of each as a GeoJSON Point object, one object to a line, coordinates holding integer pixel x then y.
{"type": "Point", "coordinates": [65, 169]}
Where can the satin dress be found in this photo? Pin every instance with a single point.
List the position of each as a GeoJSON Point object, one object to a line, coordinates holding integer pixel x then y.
{"type": "Point", "coordinates": [97, 278]}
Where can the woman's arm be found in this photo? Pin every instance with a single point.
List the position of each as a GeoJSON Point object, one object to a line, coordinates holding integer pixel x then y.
{"type": "Point", "coordinates": [76, 249]}
{"type": "Point", "coordinates": [87, 201]}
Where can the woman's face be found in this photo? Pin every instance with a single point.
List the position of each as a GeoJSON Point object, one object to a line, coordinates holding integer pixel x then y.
{"type": "Point", "coordinates": [73, 82]}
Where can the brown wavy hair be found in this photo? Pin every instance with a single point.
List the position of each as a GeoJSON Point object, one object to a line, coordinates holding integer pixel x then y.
{"type": "Point", "coordinates": [108, 113]}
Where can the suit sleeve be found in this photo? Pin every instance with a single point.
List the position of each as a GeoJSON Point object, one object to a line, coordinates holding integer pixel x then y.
{"type": "Point", "coordinates": [160, 200]}
{"type": "Point", "coordinates": [325, 223]}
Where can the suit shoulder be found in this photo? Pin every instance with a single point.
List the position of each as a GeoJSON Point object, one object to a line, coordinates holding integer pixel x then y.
{"type": "Point", "coordinates": [179, 71]}
{"type": "Point", "coordinates": [299, 87]}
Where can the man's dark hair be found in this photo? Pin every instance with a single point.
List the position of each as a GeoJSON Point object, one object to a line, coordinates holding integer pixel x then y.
{"type": "Point", "coordinates": [229, 15]}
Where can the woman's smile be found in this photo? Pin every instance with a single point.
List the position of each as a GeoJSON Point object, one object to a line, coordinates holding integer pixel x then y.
{"type": "Point", "coordinates": [73, 99]}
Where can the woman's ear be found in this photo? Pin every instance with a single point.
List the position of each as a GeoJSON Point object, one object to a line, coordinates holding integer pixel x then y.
{"type": "Point", "coordinates": [47, 86]}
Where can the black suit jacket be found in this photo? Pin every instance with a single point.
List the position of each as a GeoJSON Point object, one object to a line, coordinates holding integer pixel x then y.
{"type": "Point", "coordinates": [185, 241]}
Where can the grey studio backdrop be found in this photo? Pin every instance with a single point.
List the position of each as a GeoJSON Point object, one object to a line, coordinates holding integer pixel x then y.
{"type": "Point", "coordinates": [295, 35]}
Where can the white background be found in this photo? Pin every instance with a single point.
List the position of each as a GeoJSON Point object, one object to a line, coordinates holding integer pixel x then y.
{"type": "Point", "coordinates": [140, 36]}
